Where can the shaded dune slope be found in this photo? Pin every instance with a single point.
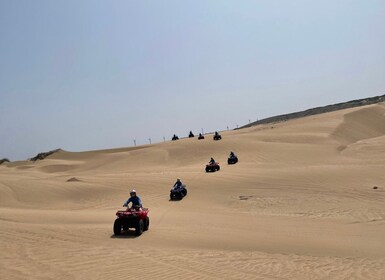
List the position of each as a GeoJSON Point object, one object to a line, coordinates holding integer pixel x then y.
{"type": "Point", "coordinates": [361, 124]}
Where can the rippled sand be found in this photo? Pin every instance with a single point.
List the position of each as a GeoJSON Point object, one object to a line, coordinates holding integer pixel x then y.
{"type": "Point", "coordinates": [305, 201]}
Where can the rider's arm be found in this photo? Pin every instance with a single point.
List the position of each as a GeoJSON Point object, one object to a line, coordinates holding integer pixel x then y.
{"type": "Point", "coordinates": [140, 202]}
{"type": "Point", "coordinates": [127, 202]}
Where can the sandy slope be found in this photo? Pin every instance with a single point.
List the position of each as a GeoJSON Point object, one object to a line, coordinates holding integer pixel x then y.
{"type": "Point", "coordinates": [300, 204]}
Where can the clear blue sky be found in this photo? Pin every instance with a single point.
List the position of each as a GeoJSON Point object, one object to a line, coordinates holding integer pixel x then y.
{"type": "Point", "coordinates": [85, 75]}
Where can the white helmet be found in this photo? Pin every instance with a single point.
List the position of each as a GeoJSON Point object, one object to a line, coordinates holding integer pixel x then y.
{"type": "Point", "coordinates": [133, 192]}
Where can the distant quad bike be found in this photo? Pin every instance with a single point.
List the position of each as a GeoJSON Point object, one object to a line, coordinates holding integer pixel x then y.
{"type": "Point", "coordinates": [175, 138]}
{"type": "Point", "coordinates": [200, 137]}
{"type": "Point", "coordinates": [232, 160]}
{"type": "Point", "coordinates": [191, 135]}
{"type": "Point", "coordinates": [212, 167]}
{"type": "Point", "coordinates": [217, 137]}
{"type": "Point", "coordinates": [136, 218]}
{"type": "Point", "coordinates": [178, 193]}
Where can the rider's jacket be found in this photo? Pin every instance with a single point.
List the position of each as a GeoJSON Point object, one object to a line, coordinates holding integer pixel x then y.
{"type": "Point", "coordinates": [177, 184]}
{"type": "Point", "coordinates": [135, 201]}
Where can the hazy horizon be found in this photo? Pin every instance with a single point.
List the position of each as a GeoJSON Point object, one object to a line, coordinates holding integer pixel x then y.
{"type": "Point", "coordinates": [96, 75]}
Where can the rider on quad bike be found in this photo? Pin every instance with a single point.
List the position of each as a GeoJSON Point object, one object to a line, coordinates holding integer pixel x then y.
{"type": "Point", "coordinates": [135, 217]}
{"type": "Point", "coordinates": [212, 166]}
{"type": "Point", "coordinates": [178, 184]}
{"type": "Point", "coordinates": [178, 191]}
{"type": "Point", "coordinates": [233, 159]}
{"type": "Point", "coordinates": [217, 136]}
{"type": "Point", "coordinates": [134, 199]}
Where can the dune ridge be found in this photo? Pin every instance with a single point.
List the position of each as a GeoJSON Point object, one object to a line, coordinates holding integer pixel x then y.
{"type": "Point", "coordinates": [300, 204]}
{"type": "Point", "coordinates": [320, 110]}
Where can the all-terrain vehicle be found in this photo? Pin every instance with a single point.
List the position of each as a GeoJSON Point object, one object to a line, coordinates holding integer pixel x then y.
{"type": "Point", "coordinates": [232, 159]}
{"type": "Point", "coordinates": [200, 137]}
{"type": "Point", "coordinates": [212, 167]}
{"type": "Point", "coordinates": [136, 218]}
{"type": "Point", "coordinates": [175, 137]}
{"type": "Point", "coordinates": [191, 135]}
{"type": "Point", "coordinates": [217, 136]}
{"type": "Point", "coordinates": [178, 193]}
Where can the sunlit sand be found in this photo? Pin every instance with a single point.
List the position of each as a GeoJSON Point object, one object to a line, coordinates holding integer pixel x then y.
{"type": "Point", "coordinates": [305, 201]}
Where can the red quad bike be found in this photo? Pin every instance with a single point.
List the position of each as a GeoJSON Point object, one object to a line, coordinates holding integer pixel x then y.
{"type": "Point", "coordinates": [212, 167]}
{"type": "Point", "coordinates": [132, 218]}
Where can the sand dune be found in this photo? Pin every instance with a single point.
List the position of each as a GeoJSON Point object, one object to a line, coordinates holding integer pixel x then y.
{"type": "Point", "coordinates": [300, 204]}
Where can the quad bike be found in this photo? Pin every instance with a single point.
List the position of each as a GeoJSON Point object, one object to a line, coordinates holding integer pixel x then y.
{"type": "Point", "coordinates": [178, 193]}
{"type": "Point", "coordinates": [217, 137]}
{"type": "Point", "coordinates": [191, 135]}
{"type": "Point", "coordinates": [175, 138]}
{"type": "Point", "coordinates": [136, 218]}
{"type": "Point", "coordinates": [200, 137]}
{"type": "Point", "coordinates": [212, 167]}
{"type": "Point", "coordinates": [232, 159]}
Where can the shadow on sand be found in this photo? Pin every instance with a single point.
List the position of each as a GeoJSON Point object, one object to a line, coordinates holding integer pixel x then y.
{"type": "Point", "coordinates": [129, 234]}
{"type": "Point", "coordinates": [175, 200]}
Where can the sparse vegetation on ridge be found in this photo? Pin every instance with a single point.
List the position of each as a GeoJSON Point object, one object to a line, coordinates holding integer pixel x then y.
{"type": "Point", "coordinates": [42, 156]}
{"type": "Point", "coordinates": [4, 160]}
{"type": "Point", "coordinates": [320, 110]}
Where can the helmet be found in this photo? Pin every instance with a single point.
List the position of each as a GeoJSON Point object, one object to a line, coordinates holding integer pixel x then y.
{"type": "Point", "coordinates": [178, 180]}
{"type": "Point", "coordinates": [132, 192]}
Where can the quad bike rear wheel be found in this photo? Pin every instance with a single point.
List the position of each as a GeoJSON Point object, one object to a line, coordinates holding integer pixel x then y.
{"type": "Point", "coordinates": [139, 228]}
{"type": "Point", "coordinates": [146, 224]}
{"type": "Point", "coordinates": [117, 227]}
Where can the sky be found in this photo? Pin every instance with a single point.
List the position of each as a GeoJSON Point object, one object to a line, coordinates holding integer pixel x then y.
{"type": "Point", "coordinates": [88, 75]}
